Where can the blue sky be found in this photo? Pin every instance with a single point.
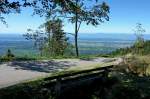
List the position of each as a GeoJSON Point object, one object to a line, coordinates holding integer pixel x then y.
{"type": "Point", "coordinates": [124, 14]}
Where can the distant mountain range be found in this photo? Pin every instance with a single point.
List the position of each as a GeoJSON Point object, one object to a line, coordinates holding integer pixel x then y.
{"type": "Point", "coordinates": [119, 36]}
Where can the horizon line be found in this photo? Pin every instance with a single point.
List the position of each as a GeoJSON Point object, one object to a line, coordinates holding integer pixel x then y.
{"type": "Point", "coordinates": [78, 33]}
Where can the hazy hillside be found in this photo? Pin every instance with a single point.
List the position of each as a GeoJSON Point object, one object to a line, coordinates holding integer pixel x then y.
{"type": "Point", "coordinates": [96, 43]}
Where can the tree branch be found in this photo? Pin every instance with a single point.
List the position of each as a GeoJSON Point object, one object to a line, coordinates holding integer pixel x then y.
{"type": "Point", "coordinates": [79, 26]}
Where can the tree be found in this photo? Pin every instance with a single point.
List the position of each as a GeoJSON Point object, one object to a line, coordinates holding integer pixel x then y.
{"type": "Point", "coordinates": [9, 53]}
{"type": "Point", "coordinates": [52, 41]}
{"type": "Point", "coordinates": [40, 7]}
{"type": "Point", "coordinates": [38, 37]}
{"type": "Point", "coordinates": [80, 12]}
{"type": "Point", "coordinates": [11, 6]}
{"type": "Point", "coordinates": [59, 40]}
{"type": "Point", "coordinates": [139, 30]}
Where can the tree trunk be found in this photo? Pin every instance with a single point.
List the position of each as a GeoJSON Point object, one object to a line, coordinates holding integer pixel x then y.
{"type": "Point", "coordinates": [76, 38]}
{"type": "Point", "coordinates": [76, 31]}
{"type": "Point", "coordinates": [49, 42]}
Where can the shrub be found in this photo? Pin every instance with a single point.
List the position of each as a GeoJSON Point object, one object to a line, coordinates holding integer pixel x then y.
{"type": "Point", "coordinates": [134, 65]}
{"type": "Point", "coordinates": [122, 92]}
{"type": "Point", "coordinates": [140, 49]}
{"type": "Point", "coordinates": [8, 57]}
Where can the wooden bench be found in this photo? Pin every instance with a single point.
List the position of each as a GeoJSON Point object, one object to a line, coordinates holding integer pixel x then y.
{"type": "Point", "coordinates": [67, 81]}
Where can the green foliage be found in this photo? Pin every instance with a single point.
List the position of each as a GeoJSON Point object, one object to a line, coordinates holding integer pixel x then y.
{"type": "Point", "coordinates": [142, 50]}
{"type": "Point", "coordinates": [131, 87]}
{"type": "Point", "coordinates": [8, 57]}
{"type": "Point", "coordinates": [9, 53]}
{"type": "Point", "coordinates": [139, 30]}
{"type": "Point", "coordinates": [69, 50]}
{"type": "Point", "coordinates": [94, 15]}
{"type": "Point", "coordinates": [122, 92]}
{"type": "Point", "coordinates": [52, 42]}
{"type": "Point", "coordinates": [26, 58]}
{"type": "Point", "coordinates": [58, 40]}
{"type": "Point", "coordinates": [140, 46]}
{"type": "Point", "coordinates": [8, 7]}
{"type": "Point", "coordinates": [139, 37]}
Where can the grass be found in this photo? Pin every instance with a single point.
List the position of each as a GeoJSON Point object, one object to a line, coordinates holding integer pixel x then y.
{"type": "Point", "coordinates": [145, 58]}
{"type": "Point", "coordinates": [30, 90]}
{"type": "Point", "coordinates": [38, 57]}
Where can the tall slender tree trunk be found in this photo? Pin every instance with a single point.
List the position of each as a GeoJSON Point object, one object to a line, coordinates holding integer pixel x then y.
{"type": "Point", "coordinates": [76, 39]}
{"type": "Point", "coordinates": [49, 42]}
{"type": "Point", "coordinates": [76, 31]}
